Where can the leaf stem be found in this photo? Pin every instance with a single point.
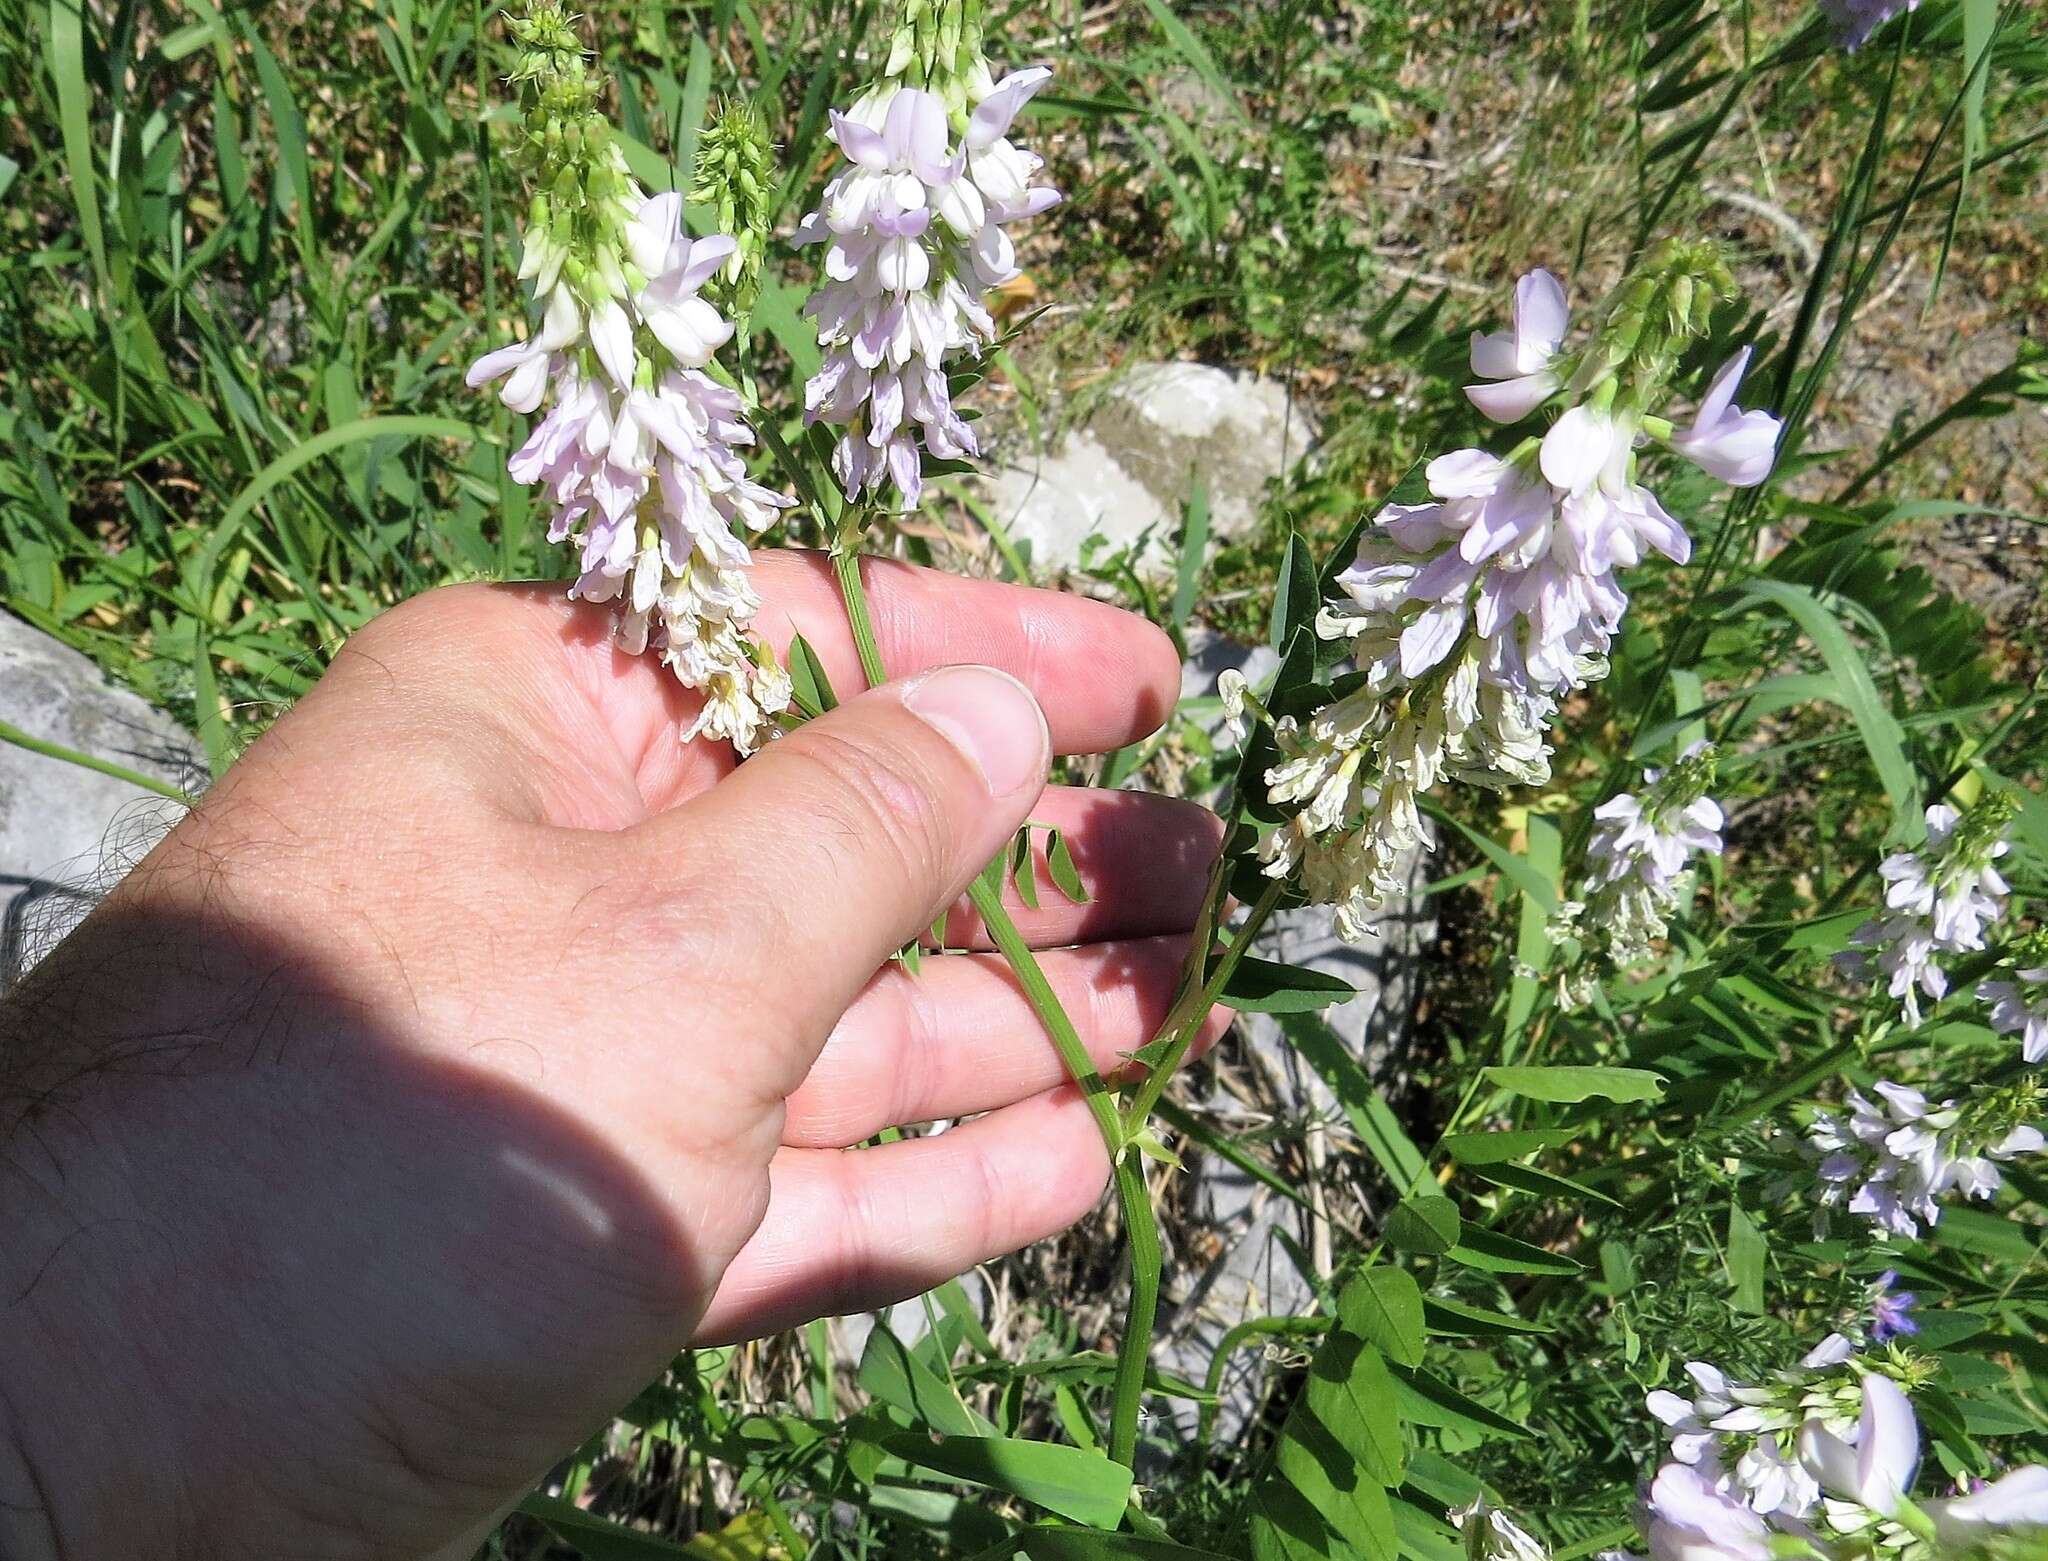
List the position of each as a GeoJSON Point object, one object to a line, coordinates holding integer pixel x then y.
{"type": "Point", "coordinates": [11, 733]}
{"type": "Point", "coordinates": [1134, 1352]}
{"type": "Point", "coordinates": [846, 565]}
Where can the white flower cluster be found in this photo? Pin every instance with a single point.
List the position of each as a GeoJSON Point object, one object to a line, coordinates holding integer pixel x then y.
{"type": "Point", "coordinates": [1892, 1164]}
{"type": "Point", "coordinates": [1640, 856]}
{"type": "Point", "coordinates": [914, 228]}
{"type": "Point", "coordinates": [1469, 617]}
{"type": "Point", "coordinates": [1740, 1436]}
{"type": "Point", "coordinates": [638, 455]}
{"type": "Point", "coordinates": [1860, 1472]}
{"type": "Point", "coordinates": [1937, 901]}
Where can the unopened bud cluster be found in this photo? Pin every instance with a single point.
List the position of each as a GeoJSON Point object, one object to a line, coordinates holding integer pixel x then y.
{"type": "Point", "coordinates": [735, 183]}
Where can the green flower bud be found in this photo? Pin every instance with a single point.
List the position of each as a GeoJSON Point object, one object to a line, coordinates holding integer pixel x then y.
{"type": "Point", "coordinates": [735, 179]}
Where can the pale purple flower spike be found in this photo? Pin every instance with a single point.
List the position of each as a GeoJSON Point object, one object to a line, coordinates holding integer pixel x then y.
{"type": "Point", "coordinates": [914, 234]}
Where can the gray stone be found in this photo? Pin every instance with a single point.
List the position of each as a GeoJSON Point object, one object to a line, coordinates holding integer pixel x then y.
{"type": "Point", "coordinates": [1252, 1272]}
{"type": "Point", "coordinates": [66, 832]}
{"type": "Point", "coordinates": [1124, 473]}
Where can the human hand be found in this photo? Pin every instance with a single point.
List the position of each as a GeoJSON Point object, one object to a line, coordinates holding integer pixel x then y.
{"type": "Point", "coordinates": [475, 1044]}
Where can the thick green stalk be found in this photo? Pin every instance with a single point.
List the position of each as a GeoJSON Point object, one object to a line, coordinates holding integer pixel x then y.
{"type": "Point", "coordinates": [987, 899]}
{"type": "Point", "coordinates": [1133, 1354]}
{"type": "Point", "coordinates": [1045, 1003]}
{"type": "Point", "coordinates": [10, 733]}
{"type": "Point", "coordinates": [846, 565]}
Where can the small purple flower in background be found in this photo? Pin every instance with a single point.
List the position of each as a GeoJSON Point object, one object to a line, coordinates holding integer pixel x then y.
{"type": "Point", "coordinates": [1855, 20]}
{"type": "Point", "coordinates": [1890, 1310]}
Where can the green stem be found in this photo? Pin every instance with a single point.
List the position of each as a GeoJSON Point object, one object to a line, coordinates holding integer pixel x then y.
{"type": "Point", "coordinates": [11, 733]}
{"type": "Point", "coordinates": [1132, 1355]}
{"type": "Point", "coordinates": [987, 898]}
{"type": "Point", "coordinates": [846, 565]}
{"type": "Point", "coordinates": [1235, 1340]}
{"type": "Point", "coordinates": [1045, 1003]}
{"type": "Point", "coordinates": [1185, 1023]}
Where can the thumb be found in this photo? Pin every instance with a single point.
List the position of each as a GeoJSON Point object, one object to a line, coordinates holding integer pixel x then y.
{"type": "Point", "coordinates": [837, 844]}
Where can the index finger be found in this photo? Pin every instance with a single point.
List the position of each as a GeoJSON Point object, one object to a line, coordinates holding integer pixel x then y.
{"type": "Point", "coordinates": [1104, 677]}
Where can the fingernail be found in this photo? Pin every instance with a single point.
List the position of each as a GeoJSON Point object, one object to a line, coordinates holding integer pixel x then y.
{"type": "Point", "coordinates": [991, 718]}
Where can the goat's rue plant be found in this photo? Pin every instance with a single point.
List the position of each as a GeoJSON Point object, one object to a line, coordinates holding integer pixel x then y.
{"type": "Point", "coordinates": [1646, 1283]}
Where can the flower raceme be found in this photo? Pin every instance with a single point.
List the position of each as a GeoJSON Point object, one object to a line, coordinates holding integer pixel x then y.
{"type": "Point", "coordinates": [1639, 858]}
{"type": "Point", "coordinates": [1470, 616]}
{"type": "Point", "coordinates": [914, 234]}
{"type": "Point", "coordinates": [638, 455]}
{"type": "Point", "coordinates": [1938, 900]}
{"type": "Point", "coordinates": [1844, 1453]}
{"type": "Point", "coordinates": [1892, 1164]}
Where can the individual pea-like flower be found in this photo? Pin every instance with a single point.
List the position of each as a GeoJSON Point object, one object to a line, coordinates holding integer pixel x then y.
{"type": "Point", "coordinates": [1724, 441]}
{"type": "Point", "coordinates": [1490, 1534]}
{"type": "Point", "coordinates": [1891, 1309]}
{"type": "Point", "coordinates": [2019, 1006]}
{"type": "Point", "coordinates": [1518, 362]}
{"type": "Point", "coordinates": [1691, 1518]}
{"type": "Point", "coordinates": [1855, 20]}
{"type": "Point", "coordinates": [1939, 900]}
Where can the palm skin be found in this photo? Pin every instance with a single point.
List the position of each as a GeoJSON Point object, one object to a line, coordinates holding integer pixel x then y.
{"type": "Point", "coordinates": [475, 1044]}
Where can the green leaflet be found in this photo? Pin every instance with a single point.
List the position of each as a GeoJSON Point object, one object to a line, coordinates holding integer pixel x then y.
{"type": "Point", "coordinates": [1383, 1305]}
{"type": "Point", "coordinates": [1569, 1085]}
{"type": "Point", "coordinates": [1069, 1481]}
{"type": "Point", "coordinates": [1263, 986]}
{"type": "Point", "coordinates": [1856, 691]}
{"type": "Point", "coordinates": [1428, 1224]}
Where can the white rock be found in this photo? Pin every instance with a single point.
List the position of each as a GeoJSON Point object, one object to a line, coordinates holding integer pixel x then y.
{"type": "Point", "coordinates": [1125, 474]}
{"type": "Point", "coordinates": [67, 832]}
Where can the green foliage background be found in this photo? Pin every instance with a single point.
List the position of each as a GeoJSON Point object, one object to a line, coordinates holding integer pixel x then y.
{"type": "Point", "coordinates": [246, 253]}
